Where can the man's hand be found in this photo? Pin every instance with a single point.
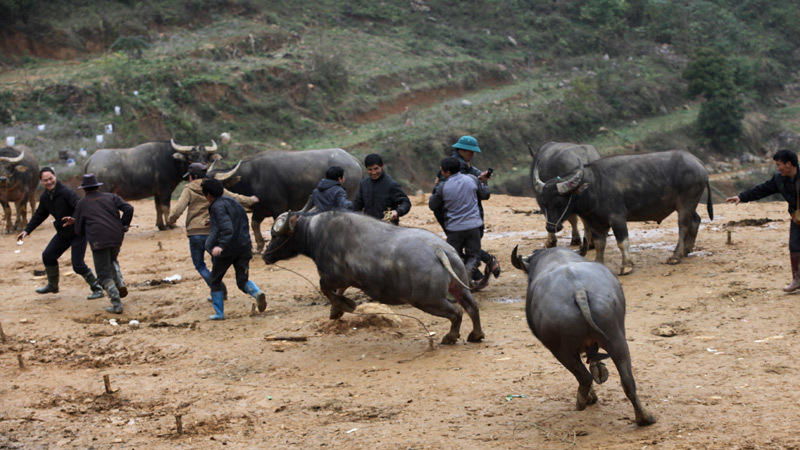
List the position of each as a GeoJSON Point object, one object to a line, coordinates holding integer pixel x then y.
{"type": "Point", "coordinates": [735, 200]}
{"type": "Point", "coordinates": [21, 236]}
{"type": "Point", "coordinates": [68, 220]}
{"type": "Point", "coordinates": [254, 198]}
{"type": "Point", "coordinates": [216, 251]}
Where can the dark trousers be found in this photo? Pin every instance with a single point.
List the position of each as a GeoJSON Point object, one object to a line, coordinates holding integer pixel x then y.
{"type": "Point", "coordinates": [794, 238]}
{"type": "Point", "coordinates": [58, 245]}
{"type": "Point", "coordinates": [104, 264]}
{"type": "Point", "coordinates": [468, 245]}
{"type": "Point", "coordinates": [221, 264]}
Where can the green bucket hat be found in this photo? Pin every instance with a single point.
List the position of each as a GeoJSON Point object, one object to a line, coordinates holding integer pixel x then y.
{"type": "Point", "coordinates": [467, 143]}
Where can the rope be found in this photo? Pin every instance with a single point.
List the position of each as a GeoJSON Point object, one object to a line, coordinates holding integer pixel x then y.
{"type": "Point", "coordinates": [555, 224]}
{"type": "Point", "coordinates": [427, 332]}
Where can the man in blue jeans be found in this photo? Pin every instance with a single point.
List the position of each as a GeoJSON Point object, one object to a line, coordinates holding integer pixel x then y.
{"type": "Point", "coordinates": [197, 227]}
{"type": "Point", "coordinates": [229, 244]}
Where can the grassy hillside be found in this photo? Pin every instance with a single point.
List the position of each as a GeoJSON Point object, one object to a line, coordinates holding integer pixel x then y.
{"type": "Point", "coordinates": [404, 79]}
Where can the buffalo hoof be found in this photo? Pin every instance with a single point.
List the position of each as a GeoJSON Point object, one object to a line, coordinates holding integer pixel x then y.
{"type": "Point", "coordinates": [590, 399]}
{"type": "Point", "coordinates": [162, 227]}
{"type": "Point", "coordinates": [599, 372]}
{"type": "Point", "coordinates": [645, 418]}
{"type": "Point", "coordinates": [449, 339]}
{"type": "Point", "coordinates": [626, 270]}
{"type": "Point", "coordinates": [673, 260]}
{"type": "Point", "coordinates": [575, 241]}
{"type": "Point", "coordinates": [336, 313]}
{"type": "Point", "coordinates": [475, 336]}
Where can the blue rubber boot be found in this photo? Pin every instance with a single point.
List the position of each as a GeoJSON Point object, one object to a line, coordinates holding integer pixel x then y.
{"type": "Point", "coordinates": [260, 297]}
{"type": "Point", "coordinates": [218, 300]}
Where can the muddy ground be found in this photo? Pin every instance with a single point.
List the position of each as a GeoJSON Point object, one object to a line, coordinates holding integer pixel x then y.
{"type": "Point", "coordinates": [711, 341]}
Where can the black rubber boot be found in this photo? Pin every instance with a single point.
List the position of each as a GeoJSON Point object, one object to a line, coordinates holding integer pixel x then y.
{"type": "Point", "coordinates": [97, 290]}
{"type": "Point", "coordinates": [52, 281]}
{"type": "Point", "coordinates": [114, 297]}
{"type": "Point", "coordinates": [121, 288]}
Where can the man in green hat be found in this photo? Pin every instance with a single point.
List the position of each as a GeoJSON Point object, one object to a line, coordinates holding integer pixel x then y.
{"type": "Point", "coordinates": [464, 149]}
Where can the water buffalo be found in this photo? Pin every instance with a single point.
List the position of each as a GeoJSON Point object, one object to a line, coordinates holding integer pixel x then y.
{"type": "Point", "coordinates": [283, 180]}
{"type": "Point", "coordinates": [574, 306]}
{"type": "Point", "coordinates": [392, 265]}
{"type": "Point", "coordinates": [609, 192]}
{"type": "Point", "coordinates": [555, 159]}
{"type": "Point", "coordinates": [149, 169]}
{"type": "Point", "coordinates": [19, 178]}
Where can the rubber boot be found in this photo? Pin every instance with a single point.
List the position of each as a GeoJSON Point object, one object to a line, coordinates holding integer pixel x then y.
{"type": "Point", "coordinates": [795, 284]}
{"type": "Point", "coordinates": [123, 290]}
{"type": "Point", "coordinates": [260, 297]}
{"type": "Point", "coordinates": [52, 281]}
{"type": "Point", "coordinates": [224, 292]}
{"type": "Point", "coordinates": [218, 301]}
{"type": "Point", "coordinates": [113, 295]}
{"type": "Point", "coordinates": [97, 290]}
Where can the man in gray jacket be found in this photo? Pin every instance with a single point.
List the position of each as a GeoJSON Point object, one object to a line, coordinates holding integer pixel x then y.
{"type": "Point", "coordinates": [457, 200]}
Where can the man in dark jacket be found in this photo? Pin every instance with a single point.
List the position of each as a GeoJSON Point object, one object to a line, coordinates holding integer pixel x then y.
{"type": "Point", "coordinates": [787, 183]}
{"type": "Point", "coordinates": [330, 194]}
{"type": "Point", "coordinates": [464, 149]}
{"type": "Point", "coordinates": [97, 219]}
{"type": "Point", "coordinates": [379, 195]}
{"type": "Point", "coordinates": [59, 201]}
{"type": "Point", "coordinates": [229, 243]}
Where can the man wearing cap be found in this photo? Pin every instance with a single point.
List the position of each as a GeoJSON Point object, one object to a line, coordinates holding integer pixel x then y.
{"type": "Point", "coordinates": [464, 149]}
{"type": "Point", "coordinates": [197, 219]}
{"type": "Point", "coordinates": [59, 201]}
{"type": "Point", "coordinates": [97, 219]}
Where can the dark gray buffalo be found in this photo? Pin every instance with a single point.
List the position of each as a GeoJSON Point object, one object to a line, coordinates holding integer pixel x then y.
{"type": "Point", "coordinates": [284, 180]}
{"type": "Point", "coordinates": [610, 192]}
{"type": "Point", "coordinates": [392, 265]}
{"type": "Point", "coordinates": [19, 178]}
{"type": "Point", "coordinates": [555, 159]}
{"type": "Point", "coordinates": [576, 307]}
{"type": "Point", "coordinates": [152, 169]}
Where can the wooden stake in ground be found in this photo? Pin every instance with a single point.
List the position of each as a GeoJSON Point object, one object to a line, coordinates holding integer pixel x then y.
{"type": "Point", "coordinates": [179, 423]}
{"type": "Point", "coordinates": [2, 334]}
{"type": "Point", "coordinates": [107, 382]}
{"type": "Point", "coordinates": [19, 360]}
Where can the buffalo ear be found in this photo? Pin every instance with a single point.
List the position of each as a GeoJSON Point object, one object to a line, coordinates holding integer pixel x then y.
{"type": "Point", "coordinates": [20, 168]}
{"type": "Point", "coordinates": [292, 223]}
{"type": "Point", "coordinates": [179, 156]}
{"type": "Point", "coordinates": [215, 157]}
{"type": "Point", "coordinates": [581, 188]}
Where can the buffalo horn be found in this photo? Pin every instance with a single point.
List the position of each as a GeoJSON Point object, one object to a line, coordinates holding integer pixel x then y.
{"type": "Point", "coordinates": [538, 185]}
{"type": "Point", "coordinates": [213, 147]}
{"type": "Point", "coordinates": [14, 160]}
{"type": "Point", "coordinates": [518, 261]}
{"type": "Point", "coordinates": [309, 204]}
{"type": "Point", "coordinates": [228, 174]}
{"type": "Point", "coordinates": [281, 225]}
{"type": "Point", "coordinates": [566, 187]}
{"type": "Point", "coordinates": [530, 150]}
{"type": "Point", "coordinates": [180, 148]}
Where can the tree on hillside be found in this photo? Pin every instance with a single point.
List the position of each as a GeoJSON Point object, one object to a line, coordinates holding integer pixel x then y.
{"type": "Point", "coordinates": [711, 76]}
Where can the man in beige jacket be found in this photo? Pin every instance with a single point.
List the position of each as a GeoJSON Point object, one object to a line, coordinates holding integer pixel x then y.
{"type": "Point", "coordinates": [197, 227]}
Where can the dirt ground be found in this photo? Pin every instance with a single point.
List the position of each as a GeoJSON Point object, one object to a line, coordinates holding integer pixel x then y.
{"type": "Point", "coordinates": [710, 340]}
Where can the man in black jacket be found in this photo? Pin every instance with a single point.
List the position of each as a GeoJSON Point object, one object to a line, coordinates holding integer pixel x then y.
{"type": "Point", "coordinates": [787, 183]}
{"type": "Point", "coordinates": [97, 219]}
{"type": "Point", "coordinates": [379, 195]}
{"type": "Point", "coordinates": [229, 243]}
{"type": "Point", "coordinates": [59, 201]}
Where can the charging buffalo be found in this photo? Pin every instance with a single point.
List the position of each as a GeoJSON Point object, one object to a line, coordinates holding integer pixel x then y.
{"type": "Point", "coordinates": [284, 180]}
{"type": "Point", "coordinates": [392, 265]}
{"type": "Point", "coordinates": [609, 192]}
{"type": "Point", "coordinates": [150, 169]}
{"type": "Point", "coordinates": [19, 178]}
{"type": "Point", "coordinates": [574, 306]}
{"type": "Point", "coordinates": [555, 159]}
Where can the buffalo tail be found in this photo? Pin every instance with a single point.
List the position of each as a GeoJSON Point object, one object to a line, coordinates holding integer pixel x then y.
{"type": "Point", "coordinates": [446, 263]}
{"type": "Point", "coordinates": [582, 299]}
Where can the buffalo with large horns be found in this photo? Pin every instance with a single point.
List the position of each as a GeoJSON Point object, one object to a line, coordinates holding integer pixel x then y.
{"type": "Point", "coordinates": [19, 178]}
{"type": "Point", "coordinates": [152, 169]}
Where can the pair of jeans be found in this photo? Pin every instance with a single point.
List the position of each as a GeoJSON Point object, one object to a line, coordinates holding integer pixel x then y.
{"type": "Point", "coordinates": [197, 248]}
{"type": "Point", "coordinates": [58, 245]}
